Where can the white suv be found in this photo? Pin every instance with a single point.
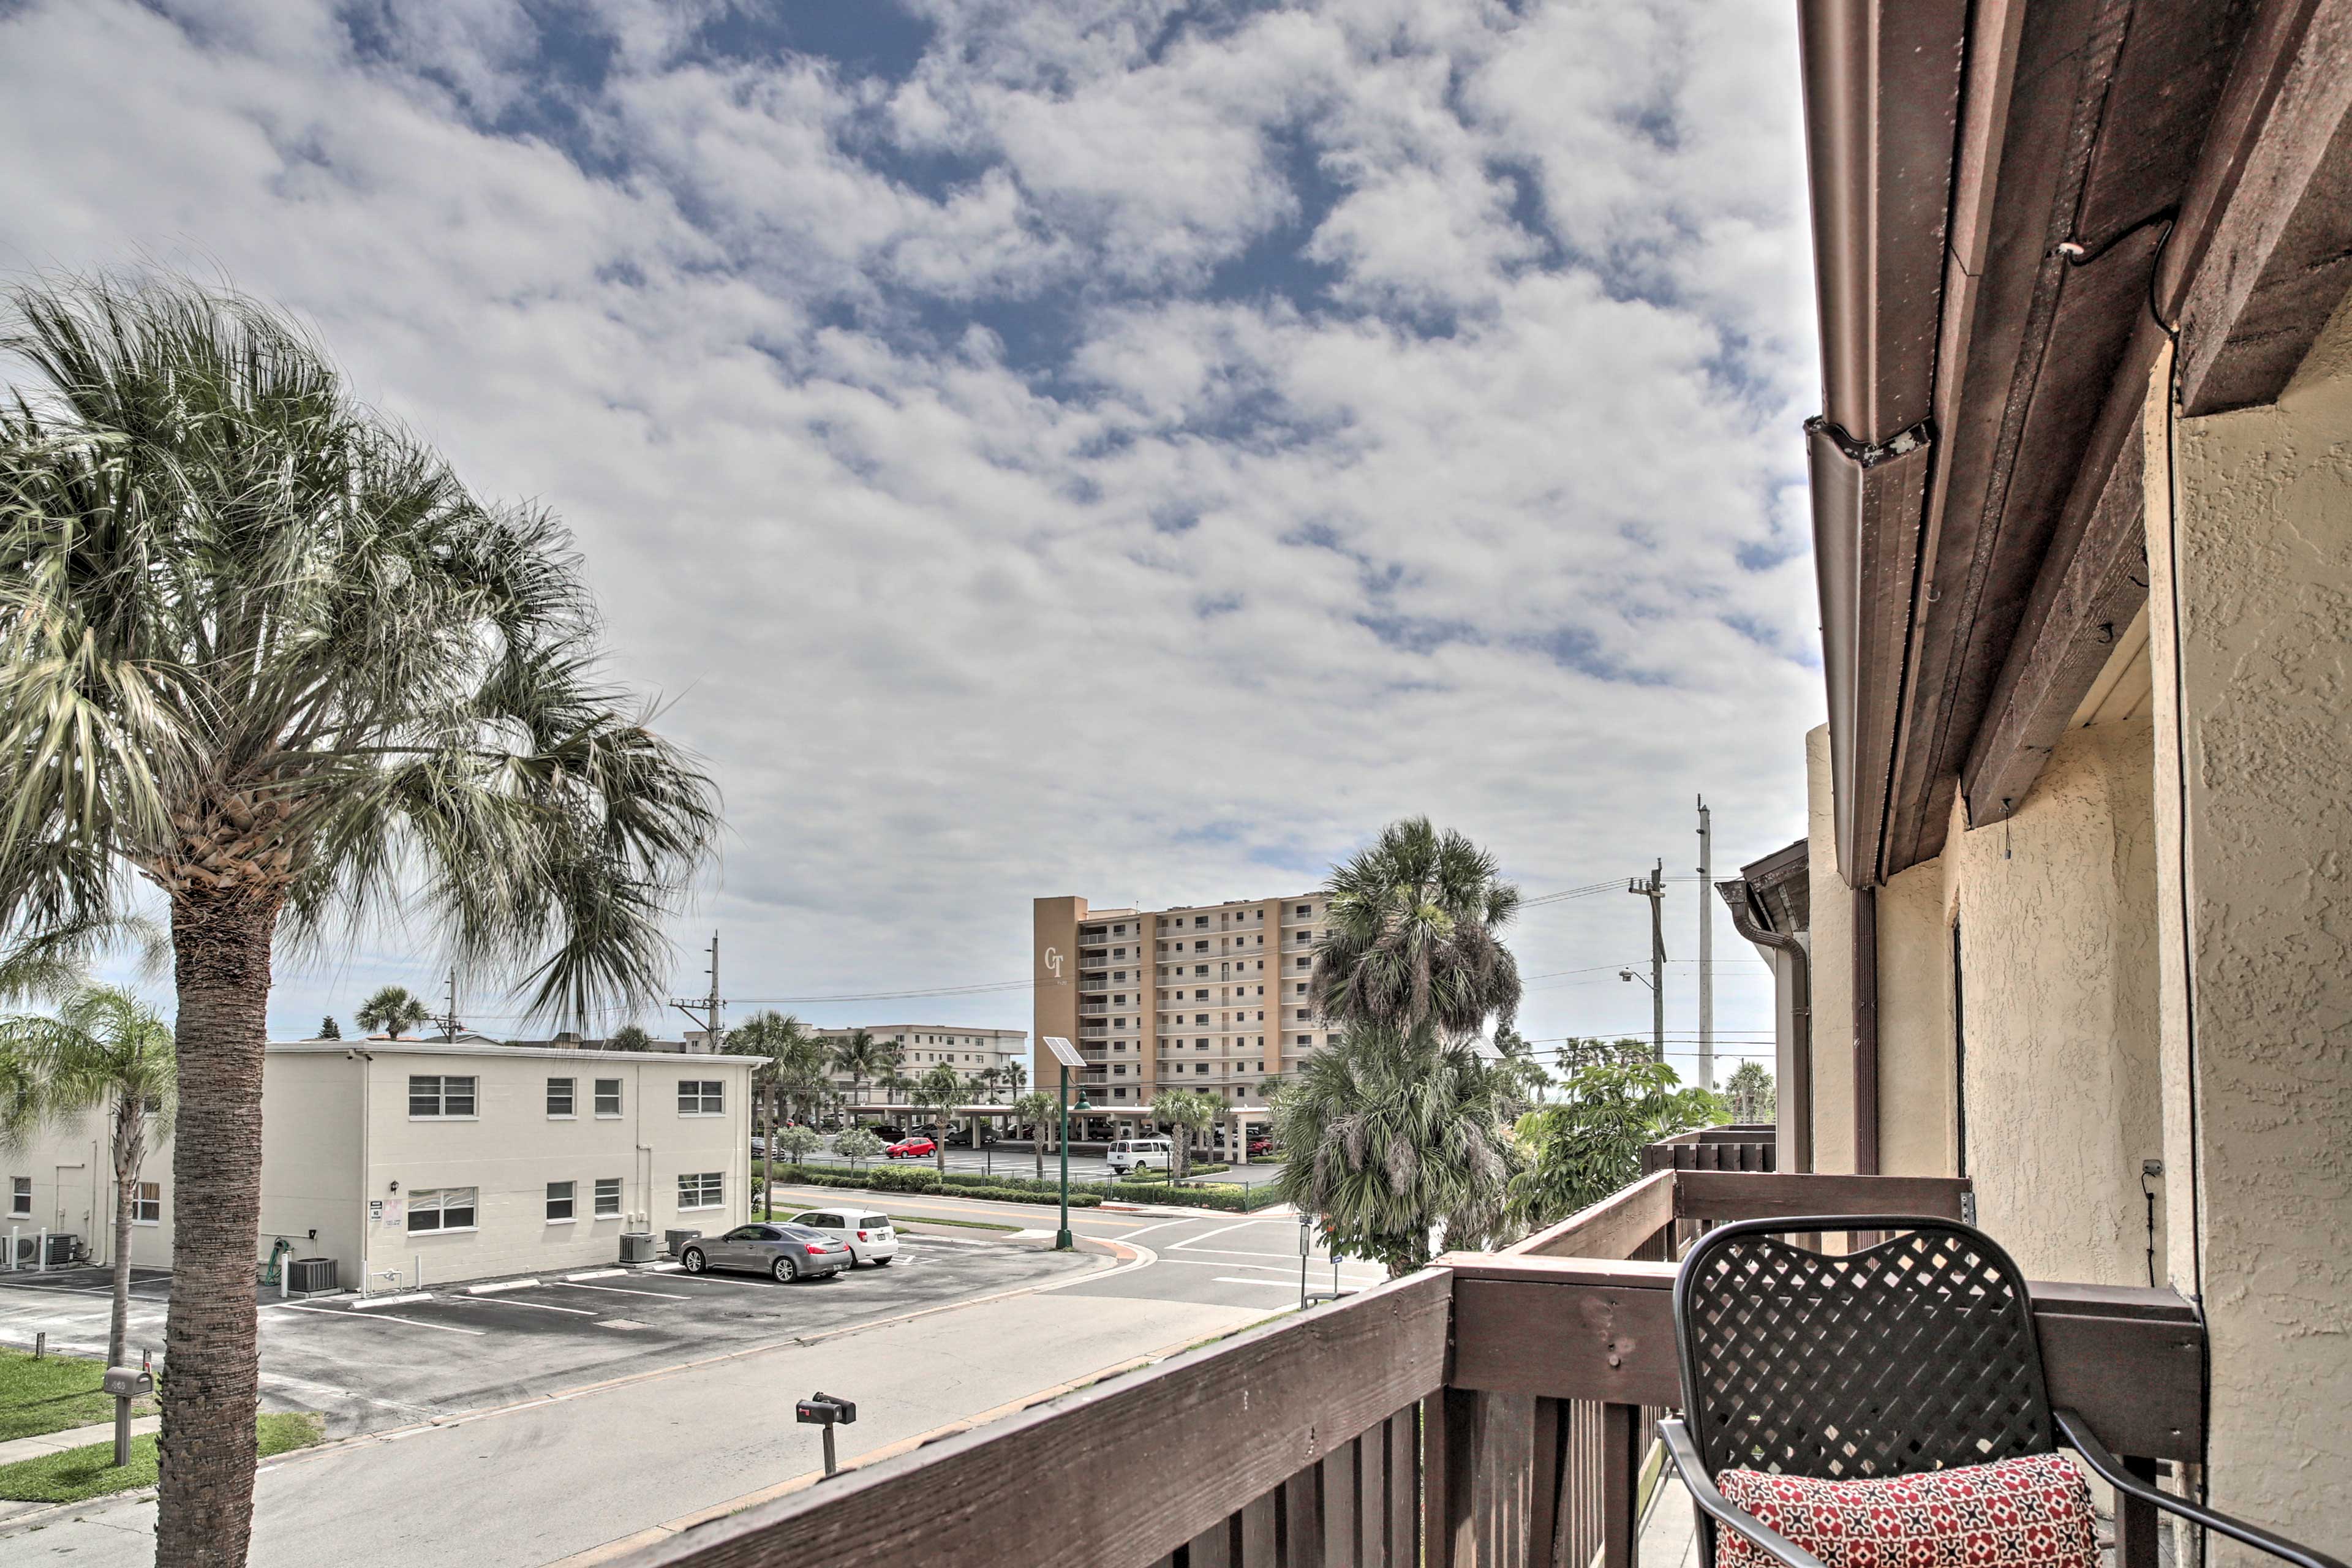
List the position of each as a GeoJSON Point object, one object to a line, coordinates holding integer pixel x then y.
{"type": "Point", "coordinates": [870, 1237]}
{"type": "Point", "coordinates": [1141, 1155]}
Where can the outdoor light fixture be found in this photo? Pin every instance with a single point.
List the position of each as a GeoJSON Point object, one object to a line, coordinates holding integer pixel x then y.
{"type": "Point", "coordinates": [1067, 1055]}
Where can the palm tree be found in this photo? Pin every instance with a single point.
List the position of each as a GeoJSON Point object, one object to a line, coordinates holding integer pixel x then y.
{"type": "Point", "coordinates": [1189, 1113]}
{"type": "Point", "coordinates": [105, 1050]}
{"type": "Point", "coordinates": [939, 1092]}
{"type": "Point", "coordinates": [895, 1085]}
{"type": "Point", "coordinates": [1014, 1076]}
{"type": "Point", "coordinates": [861, 1056]}
{"type": "Point", "coordinates": [329, 1029]}
{"type": "Point", "coordinates": [1412, 936]}
{"type": "Point", "coordinates": [1388, 1135]}
{"type": "Point", "coordinates": [771, 1037]}
{"type": "Point", "coordinates": [394, 1010]}
{"type": "Point", "coordinates": [628, 1037]}
{"type": "Point", "coordinates": [261, 647]}
{"type": "Point", "coordinates": [1038, 1109]}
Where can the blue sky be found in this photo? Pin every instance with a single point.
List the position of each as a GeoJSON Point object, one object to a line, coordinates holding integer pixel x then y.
{"type": "Point", "coordinates": [1132, 450]}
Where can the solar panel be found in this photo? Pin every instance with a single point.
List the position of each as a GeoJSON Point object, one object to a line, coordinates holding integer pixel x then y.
{"type": "Point", "coordinates": [1063, 1052]}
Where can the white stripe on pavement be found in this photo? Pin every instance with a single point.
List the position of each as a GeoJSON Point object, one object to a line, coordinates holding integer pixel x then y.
{"type": "Point", "coordinates": [534, 1306]}
{"type": "Point", "coordinates": [625, 1290]}
{"type": "Point", "coordinates": [384, 1317]}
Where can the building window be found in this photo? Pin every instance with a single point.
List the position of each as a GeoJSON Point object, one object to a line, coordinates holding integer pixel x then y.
{"type": "Point", "coordinates": [608, 1097]}
{"type": "Point", "coordinates": [608, 1198]}
{"type": "Point", "coordinates": [1307, 909]}
{"type": "Point", "coordinates": [441, 1208]}
{"type": "Point", "coordinates": [20, 1194]}
{"type": "Point", "coordinates": [431, 1098]}
{"type": "Point", "coordinates": [702, 1097]}
{"type": "Point", "coordinates": [1306, 1039]}
{"type": "Point", "coordinates": [1305, 963]}
{"type": "Point", "coordinates": [700, 1189]}
{"type": "Point", "coordinates": [1200, 1067]}
{"type": "Point", "coordinates": [147, 1208]}
{"type": "Point", "coordinates": [559, 1203]}
{"type": "Point", "coordinates": [559, 1096]}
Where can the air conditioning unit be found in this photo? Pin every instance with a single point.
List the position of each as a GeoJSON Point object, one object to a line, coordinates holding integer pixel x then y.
{"type": "Point", "coordinates": [637, 1247]}
{"type": "Point", "coordinates": [674, 1241]}
{"type": "Point", "coordinates": [61, 1249]}
{"type": "Point", "coordinates": [309, 1276]}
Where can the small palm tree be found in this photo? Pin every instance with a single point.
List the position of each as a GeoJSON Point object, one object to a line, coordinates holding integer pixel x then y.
{"type": "Point", "coordinates": [1014, 1077]}
{"type": "Point", "coordinates": [785, 1046]}
{"type": "Point", "coordinates": [1189, 1113]}
{"type": "Point", "coordinates": [894, 1084]}
{"type": "Point", "coordinates": [1390, 1135]}
{"type": "Point", "coordinates": [939, 1092]}
{"type": "Point", "coordinates": [1412, 936]}
{"type": "Point", "coordinates": [262, 647]}
{"type": "Point", "coordinates": [1038, 1109]}
{"type": "Point", "coordinates": [104, 1051]}
{"type": "Point", "coordinates": [861, 1056]}
{"type": "Point", "coordinates": [394, 1010]}
{"type": "Point", "coordinates": [628, 1037]}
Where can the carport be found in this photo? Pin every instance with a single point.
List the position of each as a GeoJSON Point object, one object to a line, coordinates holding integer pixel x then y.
{"type": "Point", "coordinates": [1240, 1117]}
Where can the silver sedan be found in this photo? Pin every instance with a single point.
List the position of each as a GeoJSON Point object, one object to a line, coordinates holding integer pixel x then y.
{"type": "Point", "coordinates": [783, 1252]}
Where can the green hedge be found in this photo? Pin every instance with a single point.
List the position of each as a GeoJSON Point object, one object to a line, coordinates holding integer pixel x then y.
{"type": "Point", "coordinates": [888, 1179]}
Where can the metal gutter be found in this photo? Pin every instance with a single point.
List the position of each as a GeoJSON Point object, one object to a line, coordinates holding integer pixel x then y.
{"type": "Point", "coordinates": [1750, 920]}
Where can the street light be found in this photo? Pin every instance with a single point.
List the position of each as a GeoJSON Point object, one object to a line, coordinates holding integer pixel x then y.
{"type": "Point", "coordinates": [1067, 1055]}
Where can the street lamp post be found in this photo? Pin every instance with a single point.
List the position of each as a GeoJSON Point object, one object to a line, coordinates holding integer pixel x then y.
{"type": "Point", "coordinates": [1068, 1057]}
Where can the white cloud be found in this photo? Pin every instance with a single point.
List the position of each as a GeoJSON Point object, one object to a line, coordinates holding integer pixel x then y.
{"type": "Point", "coordinates": [961, 457]}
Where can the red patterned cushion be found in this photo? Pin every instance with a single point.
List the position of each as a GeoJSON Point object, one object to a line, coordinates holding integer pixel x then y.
{"type": "Point", "coordinates": [2030, 1512]}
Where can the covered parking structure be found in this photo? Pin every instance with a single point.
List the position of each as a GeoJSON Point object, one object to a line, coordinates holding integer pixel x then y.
{"type": "Point", "coordinates": [1240, 1119]}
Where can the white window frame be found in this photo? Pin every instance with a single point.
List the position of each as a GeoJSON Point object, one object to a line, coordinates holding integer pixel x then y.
{"type": "Point", "coordinates": [570, 1111]}
{"type": "Point", "coordinates": [439, 1204]}
{"type": "Point", "coordinates": [20, 1196]}
{"type": "Point", "coordinates": [615, 1113]}
{"type": "Point", "coordinates": [707, 1185]}
{"type": "Point", "coordinates": [441, 1082]}
{"type": "Point", "coordinates": [605, 1187]}
{"type": "Point", "coordinates": [569, 1198]}
{"type": "Point", "coordinates": [702, 1091]}
{"type": "Point", "coordinates": [146, 1210]}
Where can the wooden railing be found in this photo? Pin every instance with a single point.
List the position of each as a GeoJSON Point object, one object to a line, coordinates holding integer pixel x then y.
{"type": "Point", "coordinates": [1739, 1147]}
{"type": "Point", "coordinates": [1493, 1410]}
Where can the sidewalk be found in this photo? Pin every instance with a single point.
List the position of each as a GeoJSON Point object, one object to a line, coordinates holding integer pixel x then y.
{"type": "Point", "coordinates": [42, 1443]}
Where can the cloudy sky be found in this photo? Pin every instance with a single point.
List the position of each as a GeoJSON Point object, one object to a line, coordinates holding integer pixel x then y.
{"type": "Point", "coordinates": [1047, 446]}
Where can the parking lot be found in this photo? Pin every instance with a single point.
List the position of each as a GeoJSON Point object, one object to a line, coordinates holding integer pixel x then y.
{"type": "Point", "coordinates": [371, 1367]}
{"type": "Point", "coordinates": [1020, 1163]}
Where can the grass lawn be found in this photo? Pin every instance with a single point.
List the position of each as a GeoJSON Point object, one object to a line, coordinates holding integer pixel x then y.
{"type": "Point", "coordinates": [903, 1219]}
{"type": "Point", "coordinates": [53, 1394]}
{"type": "Point", "coordinates": [80, 1473]}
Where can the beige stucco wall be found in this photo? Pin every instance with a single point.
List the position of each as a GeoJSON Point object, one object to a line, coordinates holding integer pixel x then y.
{"type": "Point", "coordinates": [72, 1173]}
{"type": "Point", "coordinates": [1832, 918]}
{"type": "Point", "coordinates": [2255, 564]}
{"type": "Point", "coordinates": [1916, 1071]}
{"type": "Point", "coordinates": [2057, 920]}
{"type": "Point", "coordinates": [310, 1158]}
{"type": "Point", "coordinates": [512, 1149]}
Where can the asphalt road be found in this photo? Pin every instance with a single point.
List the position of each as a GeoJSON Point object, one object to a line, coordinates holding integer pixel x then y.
{"type": "Point", "coordinates": [585, 1434]}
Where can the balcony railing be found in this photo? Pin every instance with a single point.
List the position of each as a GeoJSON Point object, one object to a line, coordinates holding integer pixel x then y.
{"type": "Point", "coordinates": [1493, 1409]}
{"type": "Point", "coordinates": [1739, 1147]}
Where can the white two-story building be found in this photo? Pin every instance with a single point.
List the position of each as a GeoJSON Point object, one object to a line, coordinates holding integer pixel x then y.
{"type": "Point", "coordinates": [433, 1161]}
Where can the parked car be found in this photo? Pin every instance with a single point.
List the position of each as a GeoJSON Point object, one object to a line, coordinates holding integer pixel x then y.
{"type": "Point", "coordinates": [783, 1252]}
{"type": "Point", "coordinates": [1141, 1155]}
{"type": "Point", "coordinates": [961, 1138]}
{"type": "Point", "coordinates": [916, 1148]}
{"type": "Point", "coordinates": [870, 1237]}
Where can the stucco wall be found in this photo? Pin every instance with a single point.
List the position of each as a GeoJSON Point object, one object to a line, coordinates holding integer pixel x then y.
{"type": "Point", "coordinates": [2255, 564]}
{"type": "Point", "coordinates": [1915, 1075]}
{"type": "Point", "coordinates": [310, 1158]}
{"type": "Point", "coordinates": [512, 1148]}
{"type": "Point", "coordinates": [72, 1171]}
{"type": "Point", "coordinates": [1832, 926]}
{"type": "Point", "coordinates": [2057, 917]}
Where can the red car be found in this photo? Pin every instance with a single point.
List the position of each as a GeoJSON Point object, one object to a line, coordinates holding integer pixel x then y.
{"type": "Point", "coordinates": [1260, 1146]}
{"type": "Point", "coordinates": [918, 1147]}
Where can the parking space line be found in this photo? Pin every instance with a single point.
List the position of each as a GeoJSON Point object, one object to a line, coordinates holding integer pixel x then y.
{"type": "Point", "coordinates": [1237, 1279]}
{"type": "Point", "coordinates": [625, 1290]}
{"type": "Point", "coordinates": [534, 1306]}
{"type": "Point", "coordinates": [381, 1317]}
{"type": "Point", "coordinates": [1194, 1245]}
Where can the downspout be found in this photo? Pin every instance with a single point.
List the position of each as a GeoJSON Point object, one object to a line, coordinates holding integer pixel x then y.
{"type": "Point", "coordinates": [1865, 1031]}
{"type": "Point", "coordinates": [1740, 900]}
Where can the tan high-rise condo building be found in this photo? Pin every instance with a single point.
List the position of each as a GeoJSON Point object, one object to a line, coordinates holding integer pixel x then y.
{"type": "Point", "coordinates": [1211, 997]}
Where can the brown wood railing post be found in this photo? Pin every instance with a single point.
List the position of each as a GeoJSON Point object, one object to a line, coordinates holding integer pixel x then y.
{"type": "Point", "coordinates": [1620, 1484]}
{"type": "Point", "coordinates": [2136, 1523]}
{"type": "Point", "coordinates": [1544, 1473]}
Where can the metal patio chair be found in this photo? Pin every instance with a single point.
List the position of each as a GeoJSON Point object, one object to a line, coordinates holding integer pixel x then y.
{"type": "Point", "coordinates": [1915, 1354]}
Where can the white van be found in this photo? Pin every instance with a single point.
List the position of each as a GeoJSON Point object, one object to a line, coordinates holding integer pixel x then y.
{"type": "Point", "coordinates": [1141, 1155]}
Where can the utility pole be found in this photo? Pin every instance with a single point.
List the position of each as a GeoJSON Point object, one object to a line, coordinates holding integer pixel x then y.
{"type": "Point", "coordinates": [449, 1020]}
{"type": "Point", "coordinates": [1705, 946]}
{"type": "Point", "coordinates": [1654, 889]}
{"type": "Point", "coordinates": [710, 1005]}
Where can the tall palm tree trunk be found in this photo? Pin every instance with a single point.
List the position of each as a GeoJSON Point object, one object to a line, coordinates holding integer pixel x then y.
{"type": "Point", "coordinates": [221, 950]}
{"type": "Point", "coordinates": [128, 1145]}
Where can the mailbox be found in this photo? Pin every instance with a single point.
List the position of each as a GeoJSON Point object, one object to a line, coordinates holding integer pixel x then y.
{"type": "Point", "coordinates": [128, 1382]}
{"type": "Point", "coordinates": [825, 1410]}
